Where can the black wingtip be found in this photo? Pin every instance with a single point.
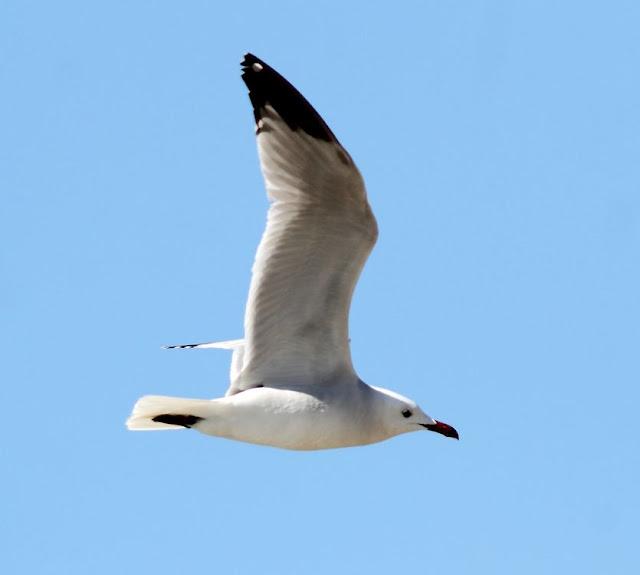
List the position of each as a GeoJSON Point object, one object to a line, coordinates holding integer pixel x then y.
{"type": "Point", "coordinates": [187, 421]}
{"type": "Point", "coordinates": [266, 86]}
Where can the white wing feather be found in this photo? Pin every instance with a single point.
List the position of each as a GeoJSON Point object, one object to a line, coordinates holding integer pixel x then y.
{"type": "Point", "coordinates": [320, 231]}
{"type": "Point", "coordinates": [234, 345]}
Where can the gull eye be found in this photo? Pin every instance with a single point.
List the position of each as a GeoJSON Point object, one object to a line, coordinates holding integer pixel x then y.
{"type": "Point", "coordinates": [406, 413]}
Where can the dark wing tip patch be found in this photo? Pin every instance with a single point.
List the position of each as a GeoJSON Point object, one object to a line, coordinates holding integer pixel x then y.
{"type": "Point", "coordinates": [177, 419]}
{"type": "Point", "coordinates": [266, 86]}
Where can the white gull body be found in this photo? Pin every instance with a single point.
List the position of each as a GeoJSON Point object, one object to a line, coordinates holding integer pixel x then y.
{"type": "Point", "coordinates": [292, 381]}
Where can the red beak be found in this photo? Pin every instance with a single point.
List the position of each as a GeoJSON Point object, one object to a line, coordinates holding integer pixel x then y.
{"type": "Point", "coordinates": [442, 428]}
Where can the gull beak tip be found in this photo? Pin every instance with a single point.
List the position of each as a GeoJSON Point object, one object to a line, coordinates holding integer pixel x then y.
{"type": "Point", "coordinates": [443, 429]}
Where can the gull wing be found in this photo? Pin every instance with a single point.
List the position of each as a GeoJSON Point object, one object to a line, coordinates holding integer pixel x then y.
{"type": "Point", "coordinates": [234, 345]}
{"type": "Point", "coordinates": [320, 231]}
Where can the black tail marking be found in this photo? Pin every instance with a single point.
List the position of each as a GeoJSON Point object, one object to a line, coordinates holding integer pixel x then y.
{"type": "Point", "coordinates": [187, 421]}
{"type": "Point", "coordinates": [266, 86]}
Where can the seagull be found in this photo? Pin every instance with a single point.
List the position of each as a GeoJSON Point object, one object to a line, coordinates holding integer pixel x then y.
{"type": "Point", "coordinates": [292, 382]}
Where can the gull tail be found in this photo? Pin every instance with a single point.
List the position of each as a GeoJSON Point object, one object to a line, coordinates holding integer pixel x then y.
{"type": "Point", "coordinates": [156, 412]}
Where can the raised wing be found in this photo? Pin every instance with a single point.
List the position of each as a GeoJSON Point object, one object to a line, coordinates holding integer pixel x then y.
{"type": "Point", "coordinates": [320, 231]}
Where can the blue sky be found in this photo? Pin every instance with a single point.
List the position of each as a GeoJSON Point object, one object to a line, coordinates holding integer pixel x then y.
{"type": "Point", "coordinates": [499, 142]}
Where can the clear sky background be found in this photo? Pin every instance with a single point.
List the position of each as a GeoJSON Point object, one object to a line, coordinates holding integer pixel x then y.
{"type": "Point", "coordinates": [500, 145]}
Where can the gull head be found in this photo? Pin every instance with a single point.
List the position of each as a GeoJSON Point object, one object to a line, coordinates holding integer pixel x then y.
{"type": "Point", "coordinates": [402, 415]}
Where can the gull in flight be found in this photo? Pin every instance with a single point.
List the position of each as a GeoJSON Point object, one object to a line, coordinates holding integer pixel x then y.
{"type": "Point", "coordinates": [293, 385]}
